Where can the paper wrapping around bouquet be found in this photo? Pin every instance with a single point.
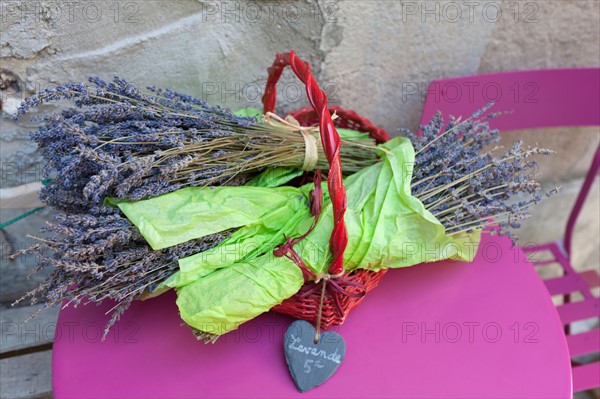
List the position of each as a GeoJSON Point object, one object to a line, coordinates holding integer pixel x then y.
{"type": "Point", "coordinates": [241, 278]}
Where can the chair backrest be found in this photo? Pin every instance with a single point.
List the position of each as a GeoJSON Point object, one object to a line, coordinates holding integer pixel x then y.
{"type": "Point", "coordinates": [534, 99]}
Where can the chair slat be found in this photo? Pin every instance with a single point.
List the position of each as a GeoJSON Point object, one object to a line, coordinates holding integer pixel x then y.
{"type": "Point", "coordinates": [543, 262]}
{"type": "Point", "coordinates": [584, 343]}
{"type": "Point", "coordinates": [565, 284]}
{"type": "Point", "coordinates": [571, 312]}
{"type": "Point", "coordinates": [586, 377]}
{"type": "Point", "coordinates": [591, 277]}
{"type": "Point", "coordinates": [539, 248]}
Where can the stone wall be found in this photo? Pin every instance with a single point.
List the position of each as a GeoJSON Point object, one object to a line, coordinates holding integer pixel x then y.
{"type": "Point", "coordinates": [363, 52]}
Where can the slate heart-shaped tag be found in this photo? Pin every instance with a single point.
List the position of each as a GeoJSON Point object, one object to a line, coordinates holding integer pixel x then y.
{"type": "Point", "coordinates": [312, 364]}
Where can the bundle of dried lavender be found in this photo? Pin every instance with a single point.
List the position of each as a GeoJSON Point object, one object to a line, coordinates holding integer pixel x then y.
{"type": "Point", "coordinates": [124, 143]}
{"type": "Point", "coordinates": [100, 255]}
{"type": "Point", "coordinates": [464, 186]}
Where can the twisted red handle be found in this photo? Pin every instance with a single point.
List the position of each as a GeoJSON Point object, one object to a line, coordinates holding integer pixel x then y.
{"type": "Point", "coordinates": [330, 140]}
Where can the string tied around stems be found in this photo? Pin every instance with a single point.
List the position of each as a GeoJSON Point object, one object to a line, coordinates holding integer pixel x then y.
{"type": "Point", "coordinates": [311, 151]}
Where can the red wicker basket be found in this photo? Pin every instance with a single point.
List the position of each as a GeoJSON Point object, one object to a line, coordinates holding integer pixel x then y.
{"type": "Point", "coordinates": [349, 288]}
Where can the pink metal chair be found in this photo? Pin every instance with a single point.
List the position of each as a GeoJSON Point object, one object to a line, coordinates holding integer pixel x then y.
{"type": "Point", "coordinates": [538, 99]}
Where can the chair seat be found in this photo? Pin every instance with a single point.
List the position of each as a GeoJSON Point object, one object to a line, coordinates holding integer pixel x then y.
{"type": "Point", "coordinates": [584, 343]}
{"type": "Point", "coordinates": [591, 277]}
{"type": "Point", "coordinates": [586, 376]}
{"type": "Point", "coordinates": [570, 312]}
{"type": "Point", "coordinates": [566, 284]}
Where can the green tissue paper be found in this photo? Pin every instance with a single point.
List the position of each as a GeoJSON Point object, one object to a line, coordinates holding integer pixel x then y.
{"type": "Point", "coordinates": [241, 278]}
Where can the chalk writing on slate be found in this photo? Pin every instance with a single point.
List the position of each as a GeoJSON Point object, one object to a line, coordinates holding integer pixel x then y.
{"type": "Point", "coordinates": [312, 364]}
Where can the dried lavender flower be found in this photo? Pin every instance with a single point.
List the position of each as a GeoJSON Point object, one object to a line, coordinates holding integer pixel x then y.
{"type": "Point", "coordinates": [466, 187]}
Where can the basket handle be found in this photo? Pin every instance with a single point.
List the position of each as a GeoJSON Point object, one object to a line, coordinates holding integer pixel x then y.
{"type": "Point", "coordinates": [346, 118]}
{"type": "Point", "coordinates": [330, 140]}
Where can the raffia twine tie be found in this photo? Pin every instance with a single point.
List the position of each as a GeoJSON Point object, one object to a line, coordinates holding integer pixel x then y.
{"type": "Point", "coordinates": [311, 149]}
